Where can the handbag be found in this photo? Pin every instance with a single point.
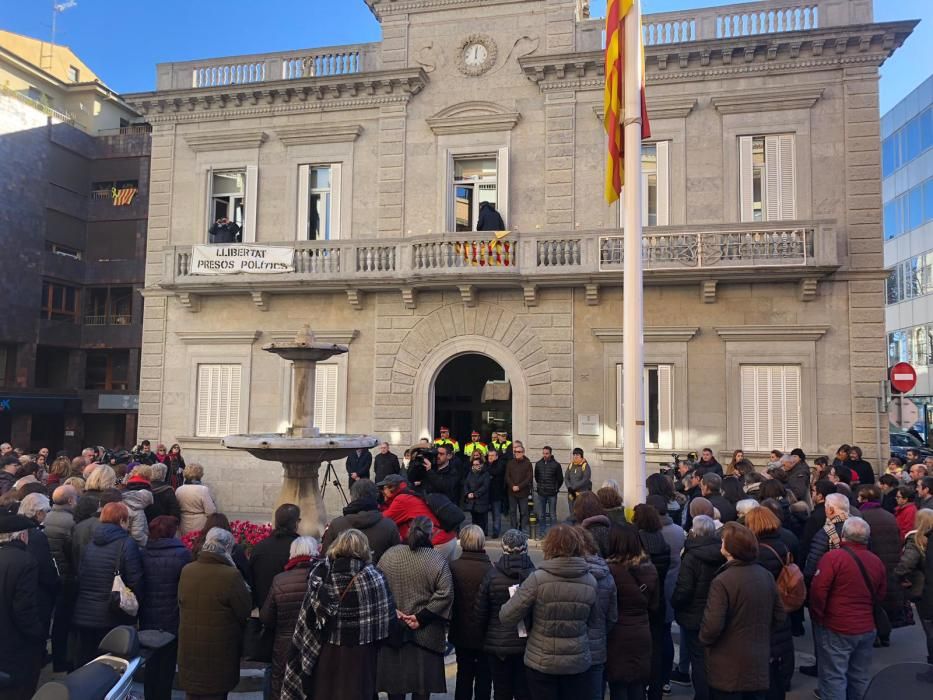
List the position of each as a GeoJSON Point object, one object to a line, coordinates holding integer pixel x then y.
{"type": "Point", "coordinates": [257, 641]}
{"type": "Point", "coordinates": [882, 622]}
{"type": "Point", "coordinates": [122, 598]}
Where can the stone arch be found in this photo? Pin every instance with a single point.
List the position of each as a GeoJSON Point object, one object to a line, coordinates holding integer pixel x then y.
{"type": "Point", "coordinates": [455, 330]}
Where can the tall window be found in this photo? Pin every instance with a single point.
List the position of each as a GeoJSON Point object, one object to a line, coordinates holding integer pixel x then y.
{"type": "Point", "coordinates": [228, 195]}
{"type": "Point", "coordinates": [475, 180]}
{"type": "Point", "coordinates": [326, 396]}
{"type": "Point", "coordinates": [59, 302]}
{"type": "Point", "coordinates": [218, 400]}
{"type": "Point", "coordinates": [109, 305]}
{"type": "Point", "coordinates": [907, 143]}
{"type": "Point", "coordinates": [658, 393]}
{"type": "Point", "coordinates": [770, 407]}
{"type": "Point", "coordinates": [319, 202]}
{"type": "Point", "coordinates": [107, 370]}
{"type": "Point", "coordinates": [767, 178]}
{"type": "Point", "coordinates": [655, 185]}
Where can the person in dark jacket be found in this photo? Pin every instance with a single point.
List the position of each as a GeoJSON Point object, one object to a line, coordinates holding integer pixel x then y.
{"type": "Point", "coordinates": [22, 643]}
{"type": "Point", "coordinates": [589, 514]}
{"type": "Point", "coordinates": [272, 554]}
{"type": "Point", "coordinates": [708, 463]}
{"type": "Point", "coordinates": [163, 495]}
{"type": "Point", "coordinates": [224, 231]}
{"type": "Point", "coordinates": [476, 492]}
{"type": "Point", "coordinates": [163, 559]}
{"type": "Point", "coordinates": [549, 477]}
{"type": "Point", "coordinates": [888, 484]}
{"type": "Point", "coordinates": [36, 506]}
{"type": "Point", "coordinates": [885, 543]}
{"type": "Point", "coordinates": [59, 528]}
{"type": "Point", "coordinates": [701, 561]}
{"type": "Point", "coordinates": [772, 554]}
{"type": "Point", "coordinates": [279, 614]}
{"type": "Point", "coordinates": [796, 474]}
{"type": "Point", "coordinates": [111, 549]}
{"type": "Point", "coordinates": [489, 219]}
{"type": "Point", "coordinates": [501, 642]}
{"type": "Point", "coordinates": [358, 465]}
{"type": "Point", "coordinates": [648, 523]}
{"type": "Point", "coordinates": [519, 475]}
{"type": "Point", "coordinates": [830, 536]}
{"type": "Point", "coordinates": [442, 477]}
{"type": "Point", "coordinates": [466, 631]}
{"type": "Point", "coordinates": [866, 474]}
{"type": "Point", "coordinates": [362, 513]}
{"type": "Point", "coordinates": [638, 596]}
{"type": "Point", "coordinates": [742, 611]}
{"type": "Point", "coordinates": [607, 612]}
{"type": "Point", "coordinates": [498, 499]}
{"type": "Point", "coordinates": [384, 463]}
{"type": "Point", "coordinates": [101, 478]}
{"type": "Point", "coordinates": [711, 490]}
{"type": "Point", "coordinates": [817, 518]}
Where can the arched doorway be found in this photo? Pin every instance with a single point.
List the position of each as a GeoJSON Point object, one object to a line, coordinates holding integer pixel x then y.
{"type": "Point", "coordinates": [472, 391]}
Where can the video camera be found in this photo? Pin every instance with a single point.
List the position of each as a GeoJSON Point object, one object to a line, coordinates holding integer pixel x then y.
{"type": "Point", "coordinates": [416, 468]}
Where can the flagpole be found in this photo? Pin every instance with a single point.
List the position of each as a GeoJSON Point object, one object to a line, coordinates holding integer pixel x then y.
{"type": "Point", "coordinates": [633, 405]}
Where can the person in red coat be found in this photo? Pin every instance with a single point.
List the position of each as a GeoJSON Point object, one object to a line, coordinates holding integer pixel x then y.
{"type": "Point", "coordinates": [847, 584]}
{"type": "Point", "coordinates": [906, 510]}
{"type": "Point", "coordinates": [402, 506]}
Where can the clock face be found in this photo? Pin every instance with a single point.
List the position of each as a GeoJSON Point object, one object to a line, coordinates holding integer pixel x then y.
{"type": "Point", "coordinates": [475, 55]}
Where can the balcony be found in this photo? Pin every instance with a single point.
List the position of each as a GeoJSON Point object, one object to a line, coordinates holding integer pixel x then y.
{"type": "Point", "coordinates": [468, 261]}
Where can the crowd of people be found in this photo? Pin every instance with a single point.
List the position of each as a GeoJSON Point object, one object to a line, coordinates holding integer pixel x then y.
{"type": "Point", "coordinates": [737, 556]}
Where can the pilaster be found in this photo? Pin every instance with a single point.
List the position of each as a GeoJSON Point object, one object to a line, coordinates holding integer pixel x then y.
{"type": "Point", "coordinates": [391, 170]}
{"type": "Point", "coordinates": [559, 116]}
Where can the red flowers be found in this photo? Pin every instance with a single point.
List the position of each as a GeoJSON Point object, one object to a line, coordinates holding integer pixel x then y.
{"type": "Point", "coordinates": [246, 534]}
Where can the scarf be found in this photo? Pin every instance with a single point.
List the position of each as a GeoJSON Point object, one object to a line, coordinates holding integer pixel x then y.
{"type": "Point", "coordinates": [302, 561]}
{"type": "Point", "coordinates": [348, 603]}
{"type": "Point", "coordinates": [831, 528]}
{"type": "Point", "coordinates": [217, 550]}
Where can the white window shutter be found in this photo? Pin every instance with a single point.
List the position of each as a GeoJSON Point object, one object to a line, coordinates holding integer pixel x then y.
{"type": "Point", "coordinates": [209, 204]}
{"type": "Point", "coordinates": [772, 184]}
{"type": "Point", "coordinates": [232, 409]}
{"type": "Point", "coordinates": [325, 398]}
{"type": "Point", "coordinates": [335, 175]}
{"type": "Point", "coordinates": [304, 184]}
{"type": "Point", "coordinates": [502, 185]}
{"type": "Point", "coordinates": [788, 177]}
{"type": "Point", "coordinates": [664, 183]}
{"type": "Point", "coordinates": [791, 407]}
{"type": "Point", "coordinates": [665, 401]}
{"type": "Point", "coordinates": [770, 407]}
{"type": "Point", "coordinates": [218, 400]}
{"type": "Point", "coordinates": [746, 189]}
{"type": "Point", "coordinates": [252, 204]}
{"type": "Point", "coordinates": [775, 403]}
{"type": "Point", "coordinates": [749, 390]}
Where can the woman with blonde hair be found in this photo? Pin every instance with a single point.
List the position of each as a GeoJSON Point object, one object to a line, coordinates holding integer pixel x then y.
{"type": "Point", "coordinates": [101, 478]}
{"type": "Point", "coordinates": [194, 500]}
{"type": "Point", "coordinates": [58, 472]}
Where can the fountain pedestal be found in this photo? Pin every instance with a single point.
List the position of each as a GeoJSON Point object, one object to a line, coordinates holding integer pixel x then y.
{"type": "Point", "coordinates": [303, 448]}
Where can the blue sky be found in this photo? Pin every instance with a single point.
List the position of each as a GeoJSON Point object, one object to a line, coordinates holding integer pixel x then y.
{"type": "Point", "coordinates": [122, 41]}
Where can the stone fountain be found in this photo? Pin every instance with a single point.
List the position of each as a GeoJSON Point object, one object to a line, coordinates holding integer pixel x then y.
{"type": "Point", "coordinates": [303, 448]}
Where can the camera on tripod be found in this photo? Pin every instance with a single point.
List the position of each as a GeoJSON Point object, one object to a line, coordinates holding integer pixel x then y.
{"type": "Point", "coordinates": [416, 466]}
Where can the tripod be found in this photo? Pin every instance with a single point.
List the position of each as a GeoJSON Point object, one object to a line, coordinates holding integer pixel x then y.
{"type": "Point", "coordinates": [330, 476]}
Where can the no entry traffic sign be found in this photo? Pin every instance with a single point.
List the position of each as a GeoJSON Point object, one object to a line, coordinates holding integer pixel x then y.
{"type": "Point", "coordinates": [903, 378]}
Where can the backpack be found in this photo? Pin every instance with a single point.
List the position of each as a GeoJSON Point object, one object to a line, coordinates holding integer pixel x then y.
{"type": "Point", "coordinates": [446, 511]}
{"type": "Point", "coordinates": [790, 585]}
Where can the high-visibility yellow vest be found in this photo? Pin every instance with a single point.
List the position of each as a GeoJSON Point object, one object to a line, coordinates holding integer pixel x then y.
{"type": "Point", "coordinates": [502, 447]}
{"type": "Point", "coordinates": [481, 447]}
{"type": "Point", "coordinates": [447, 441]}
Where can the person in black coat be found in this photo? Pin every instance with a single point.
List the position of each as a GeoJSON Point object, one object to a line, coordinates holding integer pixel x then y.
{"type": "Point", "coordinates": [163, 496]}
{"type": "Point", "coordinates": [443, 476]}
{"type": "Point", "coordinates": [224, 231]}
{"type": "Point", "coordinates": [498, 498]}
{"type": "Point", "coordinates": [385, 463]}
{"type": "Point", "coordinates": [549, 477]}
{"type": "Point", "coordinates": [506, 649]}
{"type": "Point", "coordinates": [111, 549]}
{"type": "Point", "coordinates": [648, 522]}
{"type": "Point", "coordinates": [772, 554]}
{"type": "Point", "coordinates": [35, 507]}
{"type": "Point", "coordinates": [888, 483]}
{"type": "Point", "coordinates": [702, 558]}
{"type": "Point", "coordinates": [476, 493]}
{"type": "Point", "coordinates": [489, 219]}
{"type": "Point", "coordinates": [817, 518]}
{"type": "Point", "coordinates": [22, 643]}
{"type": "Point", "coordinates": [866, 474]}
{"type": "Point", "coordinates": [272, 554]}
{"type": "Point", "coordinates": [358, 465]}
{"type": "Point", "coordinates": [711, 489]}
{"type": "Point", "coordinates": [163, 559]}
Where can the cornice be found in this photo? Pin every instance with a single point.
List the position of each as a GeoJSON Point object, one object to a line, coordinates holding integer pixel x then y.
{"type": "Point", "coordinates": [319, 133]}
{"type": "Point", "coordinates": [339, 337]}
{"type": "Point", "coordinates": [218, 337]}
{"type": "Point", "coordinates": [659, 334]}
{"type": "Point", "coordinates": [385, 8]}
{"type": "Point", "coordinates": [771, 333]}
{"type": "Point", "coordinates": [229, 139]}
{"type": "Point", "coordinates": [281, 96]}
{"type": "Point", "coordinates": [473, 117]}
{"type": "Point", "coordinates": [774, 99]}
{"type": "Point", "coordinates": [661, 107]}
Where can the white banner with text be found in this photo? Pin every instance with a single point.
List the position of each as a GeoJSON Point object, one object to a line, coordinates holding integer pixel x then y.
{"type": "Point", "coordinates": [237, 257]}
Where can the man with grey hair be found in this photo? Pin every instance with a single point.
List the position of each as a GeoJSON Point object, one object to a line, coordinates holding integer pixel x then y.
{"type": "Point", "coordinates": [796, 474]}
{"type": "Point", "coordinates": [362, 513]}
{"type": "Point", "coordinates": [164, 501]}
{"type": "Point", "coordinates": [848, 582]}
{"type": "Point", "coordinates": [711, 489]}
{"type": "Point", "coordinates": [830, 536]}
{"type": "Point", "coordinates": [59, 528]}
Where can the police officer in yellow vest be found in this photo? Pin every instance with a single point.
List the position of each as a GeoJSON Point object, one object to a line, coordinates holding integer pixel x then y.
{"type": "Point", "coordinates": [501, 442]}
{"type": "Point", "coordinates": [444, 439]}
{"type": "Point", "coordinates": [475, 445]}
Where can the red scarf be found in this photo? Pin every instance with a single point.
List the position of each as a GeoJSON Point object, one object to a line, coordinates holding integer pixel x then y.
{"type": "Point", "coordinates": [302, 562]}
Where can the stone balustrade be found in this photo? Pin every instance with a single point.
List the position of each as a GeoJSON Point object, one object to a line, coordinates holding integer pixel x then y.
{"type": "Point", "coordinates": [744, 250]}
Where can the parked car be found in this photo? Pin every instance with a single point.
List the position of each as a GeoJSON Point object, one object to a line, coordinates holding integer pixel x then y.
{"type": "Point", "coordinates": [901, 442]}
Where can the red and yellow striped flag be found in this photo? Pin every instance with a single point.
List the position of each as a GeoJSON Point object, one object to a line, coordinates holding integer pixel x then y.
{"type": "Point", "coordinates": [614, 99]}
{"type": "Point", "coordinates": [124, 196]}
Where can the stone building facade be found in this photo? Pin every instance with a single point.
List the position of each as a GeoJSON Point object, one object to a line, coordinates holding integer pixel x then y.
{"type": "Point", "coordinates": [763, 250]}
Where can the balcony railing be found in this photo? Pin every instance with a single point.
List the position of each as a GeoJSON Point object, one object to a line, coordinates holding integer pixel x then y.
{"type": "Point", "coordinates": [108, 319]}
{"type": "Point", "coordinates": [745, 250]}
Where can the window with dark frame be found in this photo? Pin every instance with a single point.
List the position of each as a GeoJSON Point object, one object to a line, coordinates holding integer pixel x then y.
{"type": "Point", "coordinates": [107, 370]}
{"type": "Point", "coordinates": [60, 302]}
{"type": "Point", "coordinates": [109, 306]}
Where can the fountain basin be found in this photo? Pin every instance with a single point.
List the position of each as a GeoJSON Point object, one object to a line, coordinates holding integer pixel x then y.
{"type": "Point", "coordinates": [278, 447]}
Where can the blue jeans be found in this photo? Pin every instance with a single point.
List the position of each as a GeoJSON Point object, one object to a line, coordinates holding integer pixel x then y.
{"type": "Point", "coordinates": [597, 681]}
{"type": "Point", "coordinates": [845, 663]}
{"type": "Point", "coordinates": [547, 513]}
{"type": "Point", "coordinates": [496, 518]}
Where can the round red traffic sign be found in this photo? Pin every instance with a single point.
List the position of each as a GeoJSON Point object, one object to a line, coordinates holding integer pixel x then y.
{"type": "Point", "coordinates": [903, 377]}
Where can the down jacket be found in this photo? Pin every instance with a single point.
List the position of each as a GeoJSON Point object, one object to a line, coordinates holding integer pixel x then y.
{"type": "Point", "coordinates": [638, 595]}
{"type": "Point", "coordinates": [137, 500]}
{"type": "Point", "coordinates": [910, 567]}
{"type": "Point", "coordinates": [95, 576]}
{"type": "Point", "coordinates": [607, 605]}
{"type": "Point", "coordinates": [561, 596]}
{"type": "Point", "coordinates": [23, 637]}
{"type": "Point", "coordinates": [885, 543]}
{"type": "Point", "coordinates": [163, 560]}
{"type": "Point", "coordinates": [598, 526]}
{"type": "Point", "coordinates": [549, 477]}
{"type": "Point", "coordinates": [59, 524]}
{"type": "Point", "coordinates": [280, 613]}
{"type": "Point", "coordinates": [675, 537]}
{"type": "Point", "coordinates": [782, 638]}
{"type": "Point", "coordinates": [164, 502]}
{"type": "Point", "coordinates": [364, 516]}
{"type": "Point", "coordinates": [501, 639]}
{"type": "Point", "coordinates": [702, 559]}
{"type": "Point", "coordinates": [468, 573]}
{"type": "Point", "coordinates": [195, 502]}
{"type": "Point", "coordinates": [477, 483]}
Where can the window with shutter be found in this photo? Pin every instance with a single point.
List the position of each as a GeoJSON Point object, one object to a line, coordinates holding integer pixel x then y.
{"type": "Point", "coordinates": [655, 185]}
{"type": "Point", "coordinates": [659, 400]}
{"type": "Point", "coordinates": [767, 178]}
{"type": "Point", "coordinates": [325, 398]}
{"type": "Point", "coordinates": [771, 399]}
{"type": "Point", "coordinates": [218, 400]}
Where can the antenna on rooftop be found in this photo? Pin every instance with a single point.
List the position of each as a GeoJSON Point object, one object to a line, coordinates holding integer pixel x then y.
{"type": "Point", "coordinates": [57, 9]}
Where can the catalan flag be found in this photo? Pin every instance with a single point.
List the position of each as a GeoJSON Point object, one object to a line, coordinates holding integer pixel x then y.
{"type": "Point", "coordinates": [124, 196]}
{"type": "Point", "coordinates": [616, 13]}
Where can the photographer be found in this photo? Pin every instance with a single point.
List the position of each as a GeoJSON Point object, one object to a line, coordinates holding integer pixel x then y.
{"type": "Point", "coordinates": [224, 231]}
{"type": "Point", "coordinates": [442, 477]}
